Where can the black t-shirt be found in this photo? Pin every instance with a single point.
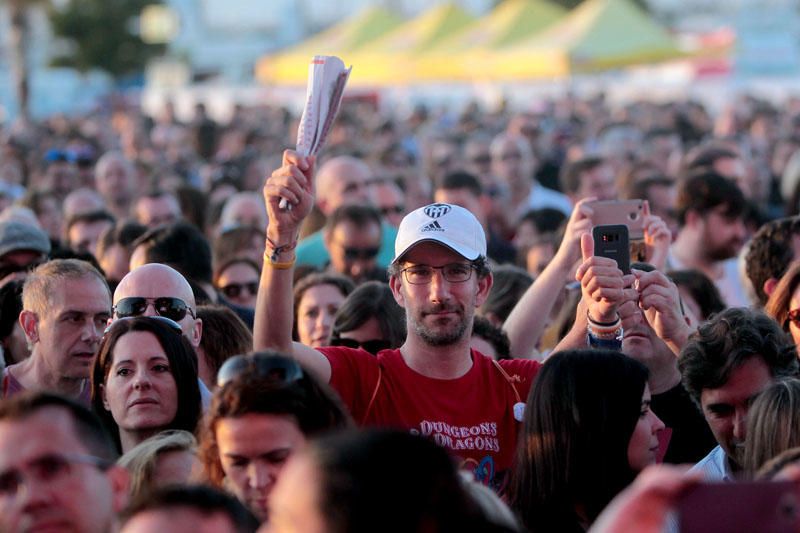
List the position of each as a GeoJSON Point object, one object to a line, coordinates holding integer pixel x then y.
{"type": "Point", "coordinates": [691, 437]}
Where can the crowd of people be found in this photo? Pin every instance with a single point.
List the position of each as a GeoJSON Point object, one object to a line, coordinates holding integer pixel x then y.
{"type": "Point", "coordinates": [423, 339]}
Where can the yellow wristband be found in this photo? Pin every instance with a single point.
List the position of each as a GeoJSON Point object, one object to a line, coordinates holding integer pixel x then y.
{"type": "Point", "coordinates": [276, 265]}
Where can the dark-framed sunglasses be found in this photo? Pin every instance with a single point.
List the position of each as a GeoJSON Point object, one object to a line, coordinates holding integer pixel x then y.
{"type": "Point", "coordinates": [233, 290]}
{"type": "Point", "coordinates": [273, 367]}
{"type": "Point", "coordinates": [174, 326]}
{"type": "Point", "coordinates": [7, 270]}
{"type": "Point", "coordinates": [372, 346]}
{"type": "Point", "coordinates": [360, 253]}
{"type": "Point", "coordinates": [169, 307]}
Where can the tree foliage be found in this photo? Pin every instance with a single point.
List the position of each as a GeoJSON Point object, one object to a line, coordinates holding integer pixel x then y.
{"type": "Point", "coordinates": [102, 34]}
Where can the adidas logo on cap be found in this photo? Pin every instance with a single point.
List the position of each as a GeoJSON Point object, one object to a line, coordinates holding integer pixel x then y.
{"type": "Point", "coordinates": [433, 226]}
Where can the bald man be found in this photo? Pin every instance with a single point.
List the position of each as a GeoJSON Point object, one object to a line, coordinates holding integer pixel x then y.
{"type": "Point", "coordinates": [153, 282]}
{"type": "Point", "coordinates": [343, 180]}
{"type": "Point", "coordinates": [159, 290]}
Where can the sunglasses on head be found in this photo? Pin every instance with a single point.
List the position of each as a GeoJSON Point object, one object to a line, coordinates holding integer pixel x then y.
{"type": "Point", "coordinates": [372, 346]}
{"type": "Point", "coordinates": [172, 308]}
{"type": "Point", "coordinates": [174, 326]}
{"type": "Point", "coordinates": [360, 253]}
{"type": "Point", "coordinates": [272, 367]}
{"type": "Point", "coordinates": [233, 290]}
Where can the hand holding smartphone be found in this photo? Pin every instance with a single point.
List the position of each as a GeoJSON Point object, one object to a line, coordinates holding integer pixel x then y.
{"type": "Point", "coordinates": [612, 241]}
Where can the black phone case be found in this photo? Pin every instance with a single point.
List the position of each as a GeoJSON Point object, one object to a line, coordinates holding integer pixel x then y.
{"type": "Point", "coordinates": [612, 241]}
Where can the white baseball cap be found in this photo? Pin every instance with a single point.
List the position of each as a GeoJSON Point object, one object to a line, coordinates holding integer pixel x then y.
{"type": "Point", "coordinates": [447, 224]}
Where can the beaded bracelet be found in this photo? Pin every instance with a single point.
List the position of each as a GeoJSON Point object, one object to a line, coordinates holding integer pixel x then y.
{"type": "Point", "coordinates": [278, 250]}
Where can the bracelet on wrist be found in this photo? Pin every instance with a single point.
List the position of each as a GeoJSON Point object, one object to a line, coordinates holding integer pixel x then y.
{"type": "Point", "coordinates": [277, 265]}
{"type": "Point", "coordinates": [595, 323]}
{"type": "Point", "coordinates": [615, 333]}
{"type": "Point", "coordinates": [278, 250]}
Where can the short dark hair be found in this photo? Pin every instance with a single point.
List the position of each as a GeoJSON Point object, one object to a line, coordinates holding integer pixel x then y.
{"type": "Point", "coordinates": [182, 365]}
{"type": "Point", "coordinates": [572, 172]}
{"type": "Point", "coordinates": [201, 498]}
{"type": "Point", "coordinates": [360, 215]}
{"type": "Point", "coordinates": [89, 217]}
{"type": "Point", "coordinates": [461, 180]}
{"type": "Point", "coordinates": [183, 247]}
{"type": "Point", "coordinates": [706, 190]}
{"type": "Point", "coordinates": [483, 328]}
{"type": "Point", "coordinates": [770, 253]}
{"type": "Point", "coordinates": [88, 427]}
{"type": "Point", "coordinates": [706, 156]}
{"type": "Point", "coordinates": [545, 220]}
{"type": "Point", "coordinates": [122, 233]}
{"type": "Point", "coordinates": [372, 299]}
{"type": "Point", "coordinates": [702, 289]}
{"type": "Point", "coordinates": [728, 340]}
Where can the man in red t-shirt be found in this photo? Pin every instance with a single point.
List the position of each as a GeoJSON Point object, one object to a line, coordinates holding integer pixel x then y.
{"type": "Point", "coordinates": [433, 384]}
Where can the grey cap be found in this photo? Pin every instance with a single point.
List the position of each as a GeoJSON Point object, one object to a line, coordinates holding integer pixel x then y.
{"type": "Point", "coordinates": [15, 236]}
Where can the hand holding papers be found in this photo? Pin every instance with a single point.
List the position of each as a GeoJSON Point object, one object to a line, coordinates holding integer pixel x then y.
{"type": "Point", "coordinates": [327, 77]}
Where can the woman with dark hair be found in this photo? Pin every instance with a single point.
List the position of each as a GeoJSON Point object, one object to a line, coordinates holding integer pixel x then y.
{"type": "Point", "coordinates": [375, 480]}
{"type": "Point", "coordinates": [265, 407]}
{"type": "Point", "coordinates": [224, 335]}
{"type": "Point", "coordinates": [317, 297]}
{"type": "Point", "coordinates": [588, 431]}
{"type": "Point", "coordinates": [144, 380]}
{"type": "Point", "coordinates": [784, 303]}
{"type": "Point", "coordinates": [370, 318]}
{"type": "Point", "coordinates": [13, 343]}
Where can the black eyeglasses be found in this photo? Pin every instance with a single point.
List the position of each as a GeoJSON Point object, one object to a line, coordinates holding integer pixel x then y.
{"type": "Point", "coordinates": [360, 253]}
{"type": "Point", "coordinates": [233, 290]}
{"type": "Point", "coordinates": [423, 274]}
{"type": "Point", "coordinates": [372, 346]}
{"type": "Point", "coordinates": [47, 469]}
{"type": "Point", "coordinates": [273, 367]}
{"type": "Point", "coordinates": [174, 326]}
{"type": "Point", "coordinates": [172, 308]}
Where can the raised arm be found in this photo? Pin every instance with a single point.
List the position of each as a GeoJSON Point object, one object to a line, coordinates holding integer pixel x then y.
{"type": "Point", "coordinates": [528, 319]}
{"type": "Point", "coordinates": [274, 304]}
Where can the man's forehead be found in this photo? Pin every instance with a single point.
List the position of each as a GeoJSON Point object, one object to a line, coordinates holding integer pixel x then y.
{"type": "Point", "coordinates": [154, 283]}
{"type": "Point", "coordinates": [48, 429]}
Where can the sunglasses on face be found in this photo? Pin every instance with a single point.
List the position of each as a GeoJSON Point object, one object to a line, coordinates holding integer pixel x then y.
{"type": "Point", "coordinates": [372, 346]}
{"type": "Point", "coordinates": [273, 367]}
{"type": "Point", "coordinates": [233, 290]}
{"type": "Point", "coordinates": [174, 326]}
{"type": "Point", "coordinates": [360, 253]}
{"type": "Point", "coordinates": [172, 308]}
{"type": "Point", "coordinates": [392, 210]}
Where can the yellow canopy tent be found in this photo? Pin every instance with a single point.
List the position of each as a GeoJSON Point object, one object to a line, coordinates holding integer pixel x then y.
{"type": "Point", "coordinates": [597, 35]}
{"type": "Point", "coordinates": [290, 66]}
{"type": "Point", "coordinates": [506, 24]}
{"type": "Point", "coordinates": [391, 58]}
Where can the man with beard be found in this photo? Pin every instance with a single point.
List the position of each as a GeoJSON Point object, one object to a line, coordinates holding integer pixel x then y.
{"type": "Point", "coordinates": [725, 365]}
{"type": "Point", "coordinates": [433, 385]}
{"type": "Point", "coordinates": [710, 211]}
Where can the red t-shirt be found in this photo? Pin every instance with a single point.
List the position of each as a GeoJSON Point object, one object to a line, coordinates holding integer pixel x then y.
{"type": "Point", "coordinates": [472, 416]}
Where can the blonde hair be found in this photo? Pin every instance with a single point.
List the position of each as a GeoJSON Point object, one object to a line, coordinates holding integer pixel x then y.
{"type": "Point", "coordinates": [773, 423]}
{"type": "Point", "coordinates": [141, 460]}
{"type": "Point", "coordinates": [40, 284]}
